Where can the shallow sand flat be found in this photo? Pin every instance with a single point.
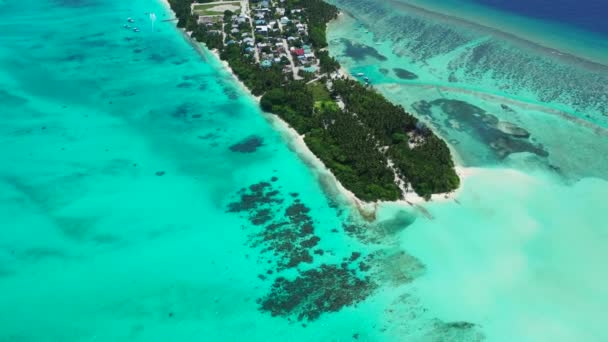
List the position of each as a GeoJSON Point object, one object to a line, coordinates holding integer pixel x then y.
{"type": "Point", "coordinates": [520, 254]}
{"type": "Point", "coordinates": [517, 252]}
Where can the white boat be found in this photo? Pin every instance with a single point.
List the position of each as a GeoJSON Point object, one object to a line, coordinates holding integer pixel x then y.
{"type": "Point", "coordinates": [135, 29]}
{"type": "Point", "coordinates": [360, 74]}
{"type": "Point", "coordinates": [130, 20]}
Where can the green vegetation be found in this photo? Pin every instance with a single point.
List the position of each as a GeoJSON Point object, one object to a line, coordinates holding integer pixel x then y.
{"type": "Point", "coordinates": [327, 63]}
{"type": "Point", "coordinates": [349, 152]}
{"type": "Point", "coordinates": [182, 11]}
{"type": "Point", "coordinates": [255, 77]}
{"type": "Point", "coordinates": [294, 103]}
{"type": "Point", "coordinates": [318, 14]}
{"type": "Point", "coordinates": [322, 98]}
{"type": "Point", "coordinates": [356, 142]}
{"type": "Point", "coordinates": [319, 92]}
{"type": "Point", "coordinates": [428, 166]}
{"type": "Point", "coordinates": [211, 35]}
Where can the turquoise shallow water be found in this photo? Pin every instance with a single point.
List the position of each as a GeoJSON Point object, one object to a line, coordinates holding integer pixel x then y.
{"type": "Point", "coordinates": [122, 154]}
{"type": "Point", "coordinates": [145, 197]}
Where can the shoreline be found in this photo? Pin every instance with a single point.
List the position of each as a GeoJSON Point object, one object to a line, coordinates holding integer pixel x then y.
{"type": "Point", "coordinates": [367, 209]}
{"type": "Point", "coordinates": [296, 142]}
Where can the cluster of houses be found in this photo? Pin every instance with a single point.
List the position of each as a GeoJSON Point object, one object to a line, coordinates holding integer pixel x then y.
{"type": "Point", "coordinates": [305, 58]}
{"type": "Point", "coordinates": [271, 34]}
{"type": "Point", "coordinates": [281, 33]}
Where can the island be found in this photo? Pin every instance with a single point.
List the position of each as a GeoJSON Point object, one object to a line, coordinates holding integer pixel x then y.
{"type": "Point", "coordinates": [278, 49]}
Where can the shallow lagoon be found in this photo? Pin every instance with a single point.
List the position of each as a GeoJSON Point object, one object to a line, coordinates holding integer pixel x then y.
{"type": "Point", "coordinates": [141, 183]}
{"type": "Point", "coordinates": [451, 52]}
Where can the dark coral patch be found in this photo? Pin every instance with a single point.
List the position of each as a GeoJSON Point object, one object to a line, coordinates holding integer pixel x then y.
{"type": "Point", "coordinates": [313, 241]}
{"type": "Point", "coordinates": [359, 51]}
{"type": "Point", "coordinates": [253, 197]}
{"type": "Point", "coordinates": [454, 331]}
{"type": "Point", "coordinates": [231, 93]}
{"type": "Point", "coordinates": [283, 230]}
{"type": "Point", "coordinates": [298, 213]}
{"type": "Point", "coordinates": [182, 111]}
{"type": "Point", "coordinates": [289, 240]}
{"type": "Point", "coordinates": [208, 136]}
{"type": "Point", "coordinates": [361, 231]}
{"type": "Point", "coordinates": [315, 292]}
{"type": "Point", "coordinates": [261, 216]}
{"type": "Point", "coordinates": [248, 145]}
{"type": "Point", "coordinates": [404, 74]}
{"type": "Point", "coordinates": [503, 138]}
{"type": "Point", "coordinates": [289, 236]}
{"type": "Point", "coordinates": [184, 85]}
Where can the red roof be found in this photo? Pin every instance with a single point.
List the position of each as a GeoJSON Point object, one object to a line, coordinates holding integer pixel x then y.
{"type": "Point", "coordinates": [298, 52]}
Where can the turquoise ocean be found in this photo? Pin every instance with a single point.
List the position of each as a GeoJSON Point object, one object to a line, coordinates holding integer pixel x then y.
{"type": "Point", "coordinates": [145, 197]}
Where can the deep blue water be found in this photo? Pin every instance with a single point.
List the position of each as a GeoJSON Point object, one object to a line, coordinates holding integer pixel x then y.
{"type": "Point", "coordinates": [590, 15]}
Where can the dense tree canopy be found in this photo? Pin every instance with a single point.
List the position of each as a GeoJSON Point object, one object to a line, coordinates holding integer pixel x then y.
{"type": "Point", "coordinates": [318, 14]}
{"type": "Point", "coordinates": [428, 166]}
{"type": "Point", "coordinates": [327, 64]}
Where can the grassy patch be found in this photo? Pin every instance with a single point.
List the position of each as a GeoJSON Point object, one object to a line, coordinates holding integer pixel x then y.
{"type": "Point", "coordinates": [216, 9]}
{"type": "Point", "coordinates": [321, 106]}
{"type": "Point", "coordinates": [321, 97]}
{"type": "Point", "coordinates": [319, 92]}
